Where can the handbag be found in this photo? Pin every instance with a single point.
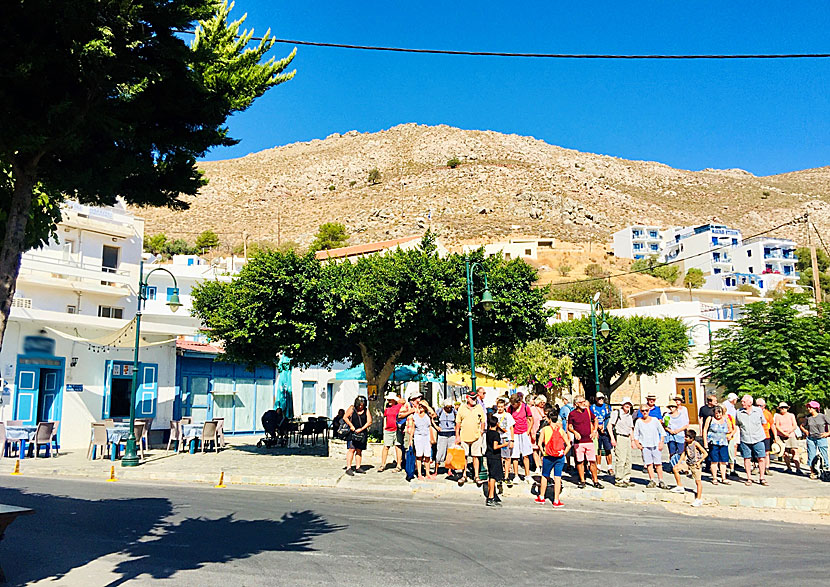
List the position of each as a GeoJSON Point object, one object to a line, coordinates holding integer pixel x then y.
{"type": "Point", "coordinates": [409, 463]}
{"type": "Point", "coordinates": [344, 431]}
{"type": "Point", "coordinates": [456, 460]}
{"type": "Point", "coordinates": [359, 437]}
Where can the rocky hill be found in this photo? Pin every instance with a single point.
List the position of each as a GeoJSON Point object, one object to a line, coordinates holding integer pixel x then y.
{"type": "Point", "coordinates": [504, 184]}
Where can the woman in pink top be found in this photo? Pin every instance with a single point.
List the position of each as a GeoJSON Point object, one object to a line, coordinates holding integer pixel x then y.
{"type": "Point", "coordinates": [786, 426]}
{"type": "Point", "coordinates": [538, 411]}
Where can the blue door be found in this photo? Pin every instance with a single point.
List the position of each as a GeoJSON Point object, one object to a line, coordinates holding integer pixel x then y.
{"type": "Point", "coordinates": [28, 387]}
{"type": "Point", "coordinates": [329, 397]}
{"type": "Point", "coordinates": [48, 398]}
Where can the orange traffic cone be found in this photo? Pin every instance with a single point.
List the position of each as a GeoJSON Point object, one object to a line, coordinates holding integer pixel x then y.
{"type": "Point", "coordinates": [16, 468]}
{"type": "Point", "coordinates": [221, 484]}
{"type": "Point", "coordinates": [112, 478]}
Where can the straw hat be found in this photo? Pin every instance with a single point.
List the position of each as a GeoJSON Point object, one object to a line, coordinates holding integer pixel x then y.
{"type": "Point", "coordinates": [777, 449]}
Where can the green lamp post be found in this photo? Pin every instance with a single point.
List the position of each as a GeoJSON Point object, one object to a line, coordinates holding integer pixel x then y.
{"type": "Point", "coordinates": [130, 458]}
{"type": "Point", "coordinates": [486, 303]}
{"type": "Point", "coordinates": [604, 330]}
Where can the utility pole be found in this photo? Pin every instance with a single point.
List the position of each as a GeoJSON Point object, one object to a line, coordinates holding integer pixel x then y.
{"type": "Point", "coordinates": [814, 265]}
{"type": "Point", "coordinates": [245, 245]}
{"type": "Point", "coordinates": [279, 219]}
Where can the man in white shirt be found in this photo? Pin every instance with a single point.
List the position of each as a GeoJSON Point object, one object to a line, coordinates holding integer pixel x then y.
{"type": "Point", "coordinates": [648, 437]}
{"type": "Point", "coordinates": [731, 408]}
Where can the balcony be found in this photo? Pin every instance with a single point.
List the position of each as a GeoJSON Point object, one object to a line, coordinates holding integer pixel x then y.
{"type": "Point", "coordinates": [64, 270]}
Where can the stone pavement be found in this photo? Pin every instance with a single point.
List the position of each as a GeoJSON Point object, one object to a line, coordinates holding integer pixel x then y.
{"type": "Point", "coordinates": [244, 464]}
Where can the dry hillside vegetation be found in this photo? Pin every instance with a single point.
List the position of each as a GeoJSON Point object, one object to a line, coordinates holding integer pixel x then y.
{"type": "Point", "coordinates": [505, 184]}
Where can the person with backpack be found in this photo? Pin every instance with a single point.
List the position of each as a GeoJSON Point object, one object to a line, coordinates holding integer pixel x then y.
{"type": "Point", "coordinates": [620, 427]}
{"type": "Point", "coordinates": [446, 433]}
{"type": "Point", "coordinates": [602, 411]}
{"type": "Point", "coordinates": [522, 449]}
{"type": "Point", "coordinates": [554, 443]}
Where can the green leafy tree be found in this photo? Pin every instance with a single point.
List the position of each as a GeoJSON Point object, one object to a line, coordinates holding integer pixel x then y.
{"type": "Point", "coordinates": [596, 270]}
{"type": "Point", "coordinates": [407, 306]}
{"type": "Point", "coordinates": [749, 288]}
{"type": "Point", "coordinates": [104, 99]}
{"type": "Point", "coordinates": [374, 176]}
{"type": "Point", "coordinates": [331, 235]}
{"type": "Point", "coordinates": [207, 240]}
{"type": "Point", "coordinates": [693, 280]}
{"type": "Point", "coordinates": [534, 363]}
{"type": "Point", "coordinates": [155, 244]}
{"type": "Point", "coordinates": [650, 266]}
{"type": "Point", "coordinates": [582, 291]}
{"type": "Point", "coordinates": [178, 247]}
{"type": "Point", "coordinates": [804, 263]}
{"type": "Point", "coordinates": [779, 350]}
{"type": "Point", "coordinates": [635, 346]}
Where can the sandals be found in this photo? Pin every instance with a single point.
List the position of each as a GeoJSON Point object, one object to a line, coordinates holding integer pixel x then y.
{"type": "Point", "coordinates": [748, 482]}
{"type": "Point", "coordinates": [714, 481]}
{"type": "Point", "coordinates": [725, 482]}
{"type": "Point", "coordinates": [763, 482]}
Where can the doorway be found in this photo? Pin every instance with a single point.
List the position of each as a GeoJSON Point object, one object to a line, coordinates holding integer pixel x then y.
{"type": "Point", "coordinates": [47, 395]}
{"type": "Point", "coordinates": [120, 397]}
{"type": "Point", "coordinates": [687, 391]}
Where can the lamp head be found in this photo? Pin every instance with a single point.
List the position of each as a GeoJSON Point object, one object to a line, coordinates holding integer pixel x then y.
{"type": "Point", "coordinates": [173, 303]}
{"type": "Point", "coordinates": [486, 300]}
{"type": "Point", "coordinates": [596, 297]}
{"type": "Point", "coordinates": [604, 330]}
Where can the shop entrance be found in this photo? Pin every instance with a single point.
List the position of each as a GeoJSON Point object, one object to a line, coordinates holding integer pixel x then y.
{"type": "Point", "coordinates": [120, 397]}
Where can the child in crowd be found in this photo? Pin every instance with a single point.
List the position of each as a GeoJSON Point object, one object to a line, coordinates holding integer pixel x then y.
{"type": "Point", "coordinates": [695, 456]}
{"type": "Point", "coordinates": [495, 471]}
{"type": "Point", "coordinates": [506, 423]}
{"type": "Point", "coordinates": [554, 444]}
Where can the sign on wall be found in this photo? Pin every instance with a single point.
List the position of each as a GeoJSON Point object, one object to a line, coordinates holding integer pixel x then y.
{"type": "Point", "coordinates": [40, 345]}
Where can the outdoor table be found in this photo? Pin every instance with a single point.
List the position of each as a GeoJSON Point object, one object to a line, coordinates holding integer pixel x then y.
{"type": "Point", "coordinates": [193, 432]}
{"type": "Point", "coordinates": [8, 514]}
{"type": "Point", "coordinates": [22, 433]}
{"type": "Point", "coordinates": [116, 434]}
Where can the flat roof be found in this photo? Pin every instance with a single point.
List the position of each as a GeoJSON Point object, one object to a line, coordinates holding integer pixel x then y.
{"type": "Point", "coordinates": [667, 290]}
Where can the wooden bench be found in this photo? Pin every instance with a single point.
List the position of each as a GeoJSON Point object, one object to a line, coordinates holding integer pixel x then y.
{"type": "Point", "coordinates": [8, 514]}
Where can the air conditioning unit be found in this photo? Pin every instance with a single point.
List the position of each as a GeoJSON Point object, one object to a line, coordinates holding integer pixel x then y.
{"type": "Point", "coordinates": [22, 303]}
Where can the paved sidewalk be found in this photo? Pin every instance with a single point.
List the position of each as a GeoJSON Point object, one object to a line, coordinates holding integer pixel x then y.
{"type": "Point", "coordinates": [243, 464]}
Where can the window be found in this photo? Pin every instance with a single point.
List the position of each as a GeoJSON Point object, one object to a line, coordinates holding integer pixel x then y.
{"type": "Point", "coordinates": [638, 246]}
{"type": "Point", "coordinates": [716, 270]}
{"type": "Point", "coordinates": [71, 309]}
{"type": "Point", "coordinates": [189, 262]}
{"type": "Point", "coordinates": [714, 240]}
{"type": "Point", "coordinates": [109, 259]}
{"type": "Point", "coordinates": [151, 291]}
{"type": "Point", "coordinates": [749, 253]}
{"type": "Point", "coordinates": [653, 247]}
{"type": "Point", "coordinates": [309, 403]}
{"type": "Point", "coordinates": [528, 252]}
{"type": "Point", "coordinates": [716, 257]}
{"type": "Point", "coordinates": [69, 246]}
{"type": "Point", "coordinates": [570, 315]}
{"type": "Point", "coordinates": [734, 241]}
{"type": "Point", "coordinates": [652, 233]}
{"type": "Point", "coordinates": [761, 283]}
{"type": "Point", "coordinates": [751, 270]}
{"type": "Point", "coordinates": [109, 312]}
{"type": "Point", "coordinates": [507, 255]}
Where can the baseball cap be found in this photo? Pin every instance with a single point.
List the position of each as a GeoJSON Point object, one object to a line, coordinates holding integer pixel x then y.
{"type": "Point", "coordinates": [732, 396]}
{"type": "Point", "coordinates": [472, 393]}
{"type": "Point", "coordinates": [813, 404]}
{"type": "Point", "coordinates": [600, 395]}
{"type": "Point", "coordinates": [626, 400]}
{"type": "Point", "coordinates": [760, 402]}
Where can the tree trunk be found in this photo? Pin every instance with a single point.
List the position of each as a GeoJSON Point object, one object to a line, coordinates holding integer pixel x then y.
{"type": "Point", "coordinates": [23, 178]}
{"type": "Point", "coordinates": [378, 378]}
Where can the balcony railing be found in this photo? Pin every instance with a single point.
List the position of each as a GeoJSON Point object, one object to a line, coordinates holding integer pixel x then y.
{"type": "Point", "coordinates": [70, 265]}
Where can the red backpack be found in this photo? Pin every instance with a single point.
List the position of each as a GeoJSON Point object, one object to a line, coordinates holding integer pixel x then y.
{"type": "Point", "coordinates": [555, 447]}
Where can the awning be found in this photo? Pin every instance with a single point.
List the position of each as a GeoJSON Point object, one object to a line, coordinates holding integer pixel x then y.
{"type": "Point", "coordinates": [482, 380]}
{"type": "Point", "coordinates": [401, 373]}
{"type": "Point", "coordinates": [123, 338]}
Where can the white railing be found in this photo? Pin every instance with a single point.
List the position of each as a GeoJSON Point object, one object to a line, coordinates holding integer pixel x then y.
{"type": "Point", "coordinates": [22, 303]}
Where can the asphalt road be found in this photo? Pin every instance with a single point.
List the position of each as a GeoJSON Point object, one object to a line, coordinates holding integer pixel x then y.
{"type": "Point", "coordinates": [94, 533]}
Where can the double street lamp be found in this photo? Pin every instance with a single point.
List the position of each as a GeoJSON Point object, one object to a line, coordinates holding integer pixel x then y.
{"type": "Point", "coordinates": [486, 303]}
{"type": "Point", "coordinates": [604, 330]}
{"type": "Point", "coordinates": [130, 458]}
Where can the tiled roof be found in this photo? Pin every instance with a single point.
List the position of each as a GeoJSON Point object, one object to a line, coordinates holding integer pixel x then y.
{"type": "Point", "coordinates": [199, 347]}
{"type": "Point", "coordinates": [364, 248]}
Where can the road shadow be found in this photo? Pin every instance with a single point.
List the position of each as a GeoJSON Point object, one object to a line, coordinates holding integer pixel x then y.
{"type": "Point", "coordinates": [66, 533]}
{"type": "Point", "coordinates": [320, 449]}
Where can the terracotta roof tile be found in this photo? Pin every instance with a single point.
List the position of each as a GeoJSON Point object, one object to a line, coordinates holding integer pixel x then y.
{"type": "Point", "coordinates": [363, 249]}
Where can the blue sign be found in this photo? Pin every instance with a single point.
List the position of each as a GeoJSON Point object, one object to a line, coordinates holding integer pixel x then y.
{"type": "Point", "coordinates": [38, 345]}
{"type": "Point", "coordinates": [74, 387]}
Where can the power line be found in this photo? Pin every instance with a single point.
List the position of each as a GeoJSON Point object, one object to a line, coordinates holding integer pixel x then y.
{"type": "Point", "coordinates": [797, 220]}
{"type": "Point", "coordinates": [538, 55]}
{"type": "Point", "coordinates": [826, 250]}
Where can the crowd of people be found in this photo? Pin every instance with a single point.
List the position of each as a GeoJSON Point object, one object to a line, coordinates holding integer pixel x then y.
{"type": "Point", "coordinates": [502, 443]}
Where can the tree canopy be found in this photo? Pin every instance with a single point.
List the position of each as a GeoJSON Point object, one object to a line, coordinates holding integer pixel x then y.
{"type": "Point", "coordinates": [404, 307]}
{"type": "Point", "coordinates": [104, 99]}
{"type": "Point", "coordinates": [535, 363]}
{"type": "Point", "coordinates": [582, 291]}
{"type": "Point", "coordinates": [330, 235]}
{"type": "Point", "coordinates": [693, 279]}
{"type": "Point", "coordinates": [639, 345]}
{"type": "Point", "coordinates": [651, 266]}
{"type": "Point", "coordinates": [779, 350]}
{"type": "Point", "coordinates": [207, 240]}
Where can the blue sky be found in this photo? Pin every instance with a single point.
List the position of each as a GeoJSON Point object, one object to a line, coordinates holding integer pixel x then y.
{"type": "Point", "coordinates": [763, 116]}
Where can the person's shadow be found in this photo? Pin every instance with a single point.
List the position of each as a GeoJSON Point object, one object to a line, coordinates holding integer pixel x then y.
{"type": "Point", "coordinates": [66, 533]}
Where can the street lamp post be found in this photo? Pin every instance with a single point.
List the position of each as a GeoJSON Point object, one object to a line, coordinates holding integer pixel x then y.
{"type": "Point", "coordinates": [604, 330]}
{"type": "Point", "coordinates": [130, 458]}
{"type": "Point", "coordinates": [486, 303]}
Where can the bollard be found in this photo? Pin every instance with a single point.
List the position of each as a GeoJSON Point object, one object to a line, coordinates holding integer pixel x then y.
{"type": "Point", "coordinates": [112, 478]}
{"type": "Point", "coordinates": [221, 484]}
{"type": "Point", "coordinates": [17, 468]}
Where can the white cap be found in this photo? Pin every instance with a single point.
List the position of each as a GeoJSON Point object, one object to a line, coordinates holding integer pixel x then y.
{"type": "Point", "coordinates": [415, 394]}
{"type": "Point", "coordinates": [600, 395]}
{"type": "Point", "coordinates": [392, 395]}
{"type": "Point", "coordinates": [448, 402]}
{"type": "Point", "coordinates": [626, 400]}
{"type": "Point", "coordinates": [732, 397]}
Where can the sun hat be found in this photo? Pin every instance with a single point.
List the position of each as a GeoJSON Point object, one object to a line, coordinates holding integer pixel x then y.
{"type": "Point", "coordinates": [448, 402]}
{"type": "Point", "coordinates": [813, 404]}
{"type": "Point", "coordinates": [761, 402]}
{"type": "Point", "coordinates": [392, 395]}
{"type": "Point", "coordinates": [777, 448]}
{"type": "Point", "coordinates": [415, 394]}
{"type": "Point", "coordinates": [651, 396]}
{"type": "Point", "coordinates": [783, 405]}
{"type": "Point", "coordinates": [732, 397]}
{"type": "Point", "coordinates": [626, 400]}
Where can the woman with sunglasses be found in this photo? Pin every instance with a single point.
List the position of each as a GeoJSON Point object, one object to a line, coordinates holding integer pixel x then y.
{"type": "Point", "coordinates": [787, 429]}
{"type": "Point", "coordinates": [359, 419]}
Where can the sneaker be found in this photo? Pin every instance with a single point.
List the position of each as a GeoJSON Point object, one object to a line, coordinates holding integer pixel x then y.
{"type": "Point", "coordinates": [509, 483]}
{"type": "Point", "coordinates": [697, 503]}
{"type": "Point", "coordinates": [497, 499]}
{"type": "Point", "coordinates": [651, 485]}
{"type": "Point", "coordinates": [539, 499]}
{"type": "Point", "coordinates": [558, 504]}
{"type": "Point", "coordinates": [598, 485]}
{"type": "Point", "coordinates": [581, 485]}
{"type": "Point", "coordinates": [630, 484]}
{"type": "Point", "coordinates": [461, 481]}
{"type": "Point", "coordinates": [490, 503]}
{"type": "Point", "coordinates": [497, 502]}
{"type": "Point", "coordinates": [678, 489]}
{"type": "Point", "coordinates": [522, 478]}
{"type": "Point", "coordinates": [359, 471]}
{"type": "Point", "coordinates": [350, 472]}
{"type": "Point", "coordinates": [620, 484]}
{"type": "Point", "coordinates": [662, 485]}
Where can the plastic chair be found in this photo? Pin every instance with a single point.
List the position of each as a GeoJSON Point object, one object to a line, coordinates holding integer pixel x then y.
{"type": "Point", "coordinates": [209, 433]}
{"type": "Point", "coordinates": [307, 431]}
{"type": "Point", "coordinates": [186, 420]}
{"type": "Point", "coordinates": [320, 429]}
{"type": "Point", "coordinates": [2, 439]}
{"type": "Point", "coordinates": [138, 428]}
{"type": "Point", "coordinates": [55, 445]}
{"type": "Point", "coordinates": [43, 437]}
{"type": "Point", "coordinates": [14, 423]}
{"type": "Point", "coordinates": [175, 434]}
{"type": "Point", "coordinates": [145, 437]}
{"type": "Point", "coordinates": [99, 438]}
{"type": "Point", "coordinates": [220, 430]}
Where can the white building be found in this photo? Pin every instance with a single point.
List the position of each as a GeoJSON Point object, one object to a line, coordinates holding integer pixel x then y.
{"type": "Point", "coordinates": [66, 356]}
{"type": "Point", "coordinates": [510, 250]}
{"type": "Point", "coordinates": [708, 247]}
{"type": "Point", "coordinates": [638, 242]}
{"type": "Point", "coordinates": [762, 262]}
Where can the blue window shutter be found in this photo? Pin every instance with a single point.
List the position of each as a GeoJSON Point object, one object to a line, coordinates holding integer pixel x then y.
{"type": "Point", "coordinates": [25, 405]}
{"type": "Point", "coordinates": [105, 407]}
{"type": "Point", "coordinates": [147, 396]}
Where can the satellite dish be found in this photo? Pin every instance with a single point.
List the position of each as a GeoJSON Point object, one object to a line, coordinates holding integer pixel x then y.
{"type": "Point", "coordinates": [596, 297]}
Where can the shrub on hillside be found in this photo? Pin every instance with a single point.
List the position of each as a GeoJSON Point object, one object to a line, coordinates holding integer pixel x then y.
{"type": "Point", "coordinates": [596, 270]}
{"type": "Point", "coordinates": [453, 163]}
{"type": "Point", "coordinates": [564, 269]}
{"type": "Point", "coordinates": [584, 291]}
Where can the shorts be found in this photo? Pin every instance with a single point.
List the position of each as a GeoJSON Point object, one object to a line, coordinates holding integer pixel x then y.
{"type": "Point", "coordinates": [495, 470]}
{"type": "Point", "coordinates": [390, 438]}
{"type": "Point", "coordinates": [399, 437]}
{"type": "Point", "coordinates": [555, 464]}
{"type": "Point", "coordinates": [423, 447]}
{"type": "Point", "coordinates": [604, 443]}
{"type": "Point", "coordinates": [521, 446]}
{"type": "Point", "coordinates": [473, 449]}
{"type": "Point", "coordinates": [444, 442]}
{"type": "Point", "coordinates": [505, 450]}
{"type": "Point", "coordinates": [585, 451]}
{"type": "Point", "coordinates": [718, 453]}
{"type": "Point", "coordinates": [768, 445]}
{"type": "Point", "coordinates": [695, 470]}
{"type": "Point", "coordinates": [652, 455]}
{"type": "Point", "coordinates": [756, 450]}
